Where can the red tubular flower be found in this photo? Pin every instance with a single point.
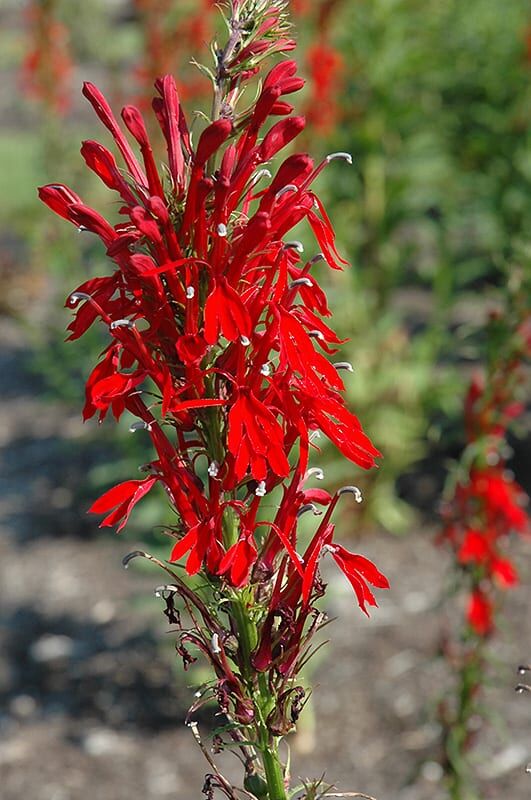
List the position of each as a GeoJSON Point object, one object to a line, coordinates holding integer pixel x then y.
{"type": "Point", "coordinates": [122, 499]}
{"type": "Point", "coordinates": [360, 572]}
{"type": "Point", "coordinates": [255, 439]}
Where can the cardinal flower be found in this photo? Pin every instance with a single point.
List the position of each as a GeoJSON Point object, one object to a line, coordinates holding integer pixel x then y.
{"type": "Point", "coordinates": [217, 343]}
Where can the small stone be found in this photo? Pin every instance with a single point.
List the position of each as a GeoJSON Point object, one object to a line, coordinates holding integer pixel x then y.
{"type": "Point", "coordinates": [103, 612]}
{"type": "Point", "coordinates": [51, 647]}
{"type": "Point", "coordinates": [101, 742]}
{"type": "Point", "coordinates": [432, 772]}
{"type": "Point", "coordinates": [23, 706]}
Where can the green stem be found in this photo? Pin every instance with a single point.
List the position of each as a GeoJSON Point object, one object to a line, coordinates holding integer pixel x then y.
{"type": "Point", "coordinates": [273, 773]}
{"type": "Point", "coordinates": [273, 769]}
{"type": "Point", "coordinates": [461, 785]}
{"type": "Point", "coordinates": [258, 687]}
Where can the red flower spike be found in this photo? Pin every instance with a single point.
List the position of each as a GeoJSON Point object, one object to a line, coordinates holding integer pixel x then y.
{"type": "Point", "coordinates": [210, 306]}
{"type": "Point", "coordinates": [488, 505]}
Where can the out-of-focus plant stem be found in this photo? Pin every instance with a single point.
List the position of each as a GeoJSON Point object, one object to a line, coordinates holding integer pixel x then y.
{"type": "Point", "coordinates": [458, 736]}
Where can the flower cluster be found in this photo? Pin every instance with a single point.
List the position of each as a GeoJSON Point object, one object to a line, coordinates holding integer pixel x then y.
{"type": "Point", "coordinates": [220, 350]}
{"type": "Point", "coordinates": [163, 43]}
{"type": "Point", "coordinates": [47, 66]}
{"type": "Point", "coordinates": [326, 67]}
{"type": "Point", "coordinates": [488, 504]}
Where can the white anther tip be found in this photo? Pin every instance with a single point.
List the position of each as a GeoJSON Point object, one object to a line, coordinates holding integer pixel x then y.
{"type": "Point", "coordinates": [121, 323]}
{"type": "Point", "coordinates": [344, 365]}
{"type": "Point", "coordinates": [298, 246]}
{"type": "Point", "coordinates": [315, 472]}
{"type": "Point", "coordinates": [213, 469]}
{"type": "Point", "coordinates": [75, 297]}
{"type": "Point", "coordinates": [290, 187]}
{"type": "Point", "coordinates": [301, 282]}
{"type": "Point", "coordinates": [139, 426]}
{"type": "Point", "coordinates": [358, 497]}
{"type": "Point", "coordinates": [344, 156]}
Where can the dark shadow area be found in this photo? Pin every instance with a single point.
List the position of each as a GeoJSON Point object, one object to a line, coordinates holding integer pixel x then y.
{"type": "Point", "coordinates": [88, 672]}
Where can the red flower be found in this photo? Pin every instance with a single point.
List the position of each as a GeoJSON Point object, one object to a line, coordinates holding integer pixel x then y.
{"type": "Point", "coordinates": [480, 613]}
{"type": "Point", "coordinates": [360, 572]}
{"type": "Point", "coordinates": [122, 499]}
{"type": "Point", "coordinates": [255, 439]}
{"type": "Point", "coordinates": [504, 572]}
{"type": "Point", "coordinates": [475, 548]}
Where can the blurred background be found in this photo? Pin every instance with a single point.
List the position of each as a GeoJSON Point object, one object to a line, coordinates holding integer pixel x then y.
{"type": "Point", "coordinates": [432, 98]}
